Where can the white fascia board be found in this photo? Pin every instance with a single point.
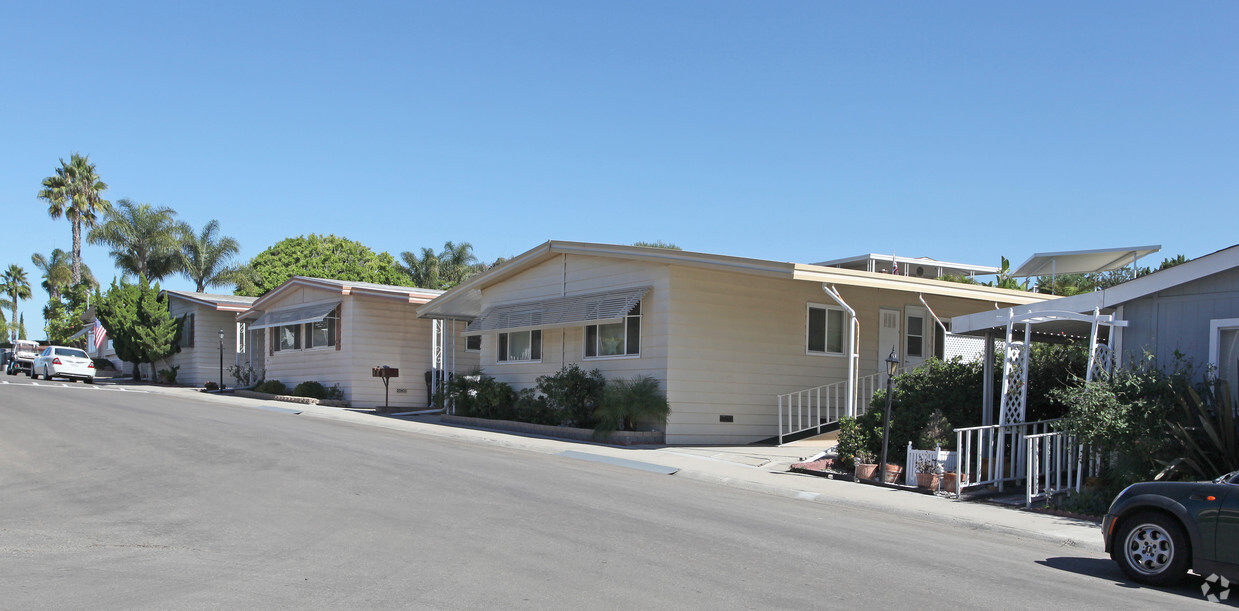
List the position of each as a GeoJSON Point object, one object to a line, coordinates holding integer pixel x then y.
{"type": "Point", "coordinates": [910, 284]}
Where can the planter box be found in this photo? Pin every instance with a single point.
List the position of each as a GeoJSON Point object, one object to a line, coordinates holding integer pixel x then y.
{"type": "Point", "coordinates": [622, 438]}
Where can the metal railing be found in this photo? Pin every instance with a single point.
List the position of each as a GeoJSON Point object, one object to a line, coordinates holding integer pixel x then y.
{"type": "Point", "coordinates": [822, 405]}
{"type": "Point", "coordinates": [996, 454]}
{"type": "Point", "coordinates": [1056, 464]}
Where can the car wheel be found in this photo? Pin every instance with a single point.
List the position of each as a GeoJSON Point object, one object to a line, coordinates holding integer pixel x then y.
{"type": "Point", "coordinates": [1152, 548]}
{"type": "Point", "coordinates": [89, 380]}
{"type": "Point", "coordinates": [31, 374]}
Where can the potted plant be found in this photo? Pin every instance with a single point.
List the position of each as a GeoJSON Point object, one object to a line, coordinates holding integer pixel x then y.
{"type": "Point", "coordinates": [866, 465]}
{"type": "Point", "coordinates": [927, 473]}
{"type": "Point", "coordinates": [950, 482]}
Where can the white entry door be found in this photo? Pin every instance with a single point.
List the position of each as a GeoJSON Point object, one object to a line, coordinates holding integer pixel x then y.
{"type": "Point", "coordinates": [888, 336]}
{"type": "Point", "coordinates": [917, 337]}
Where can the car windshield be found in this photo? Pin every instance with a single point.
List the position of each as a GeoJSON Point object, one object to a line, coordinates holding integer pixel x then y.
{"type": "Point", "coordinates": [1229, 478]}
{"type": "Point", "coordinates": [71, 352]}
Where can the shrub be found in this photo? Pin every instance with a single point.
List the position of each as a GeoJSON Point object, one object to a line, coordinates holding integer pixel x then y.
{"type": "Point", "coordinates": [272, 387]}
{"type": "Point", "coordinates": [856, 440]}
{"type": "Point", "coordinates": [574, 393]}
{"type": "Point", "coordinates": [1208, 437]}
{"type": "Point", "coordinates": [480, 396]}
{"type": "Point", "coordinates": [530, 407]}
{"type": "Point", "coordinates": [314, 390]}
{"type": "Point", "coordinates": [168, 376]}
{"type": "Point", "coordinates": [625, 403]}
{"type": "Point", "coordinates": [938, 432]}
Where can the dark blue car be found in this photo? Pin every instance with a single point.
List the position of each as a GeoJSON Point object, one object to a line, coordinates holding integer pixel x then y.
{"type": "Point", "coordinates": [1157, 531]}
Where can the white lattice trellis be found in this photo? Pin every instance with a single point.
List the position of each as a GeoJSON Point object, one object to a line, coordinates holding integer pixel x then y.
{"type": "Point", "coordinates": [1103, 361]}
{"type": "Point", "coordinates": [1014, 386]}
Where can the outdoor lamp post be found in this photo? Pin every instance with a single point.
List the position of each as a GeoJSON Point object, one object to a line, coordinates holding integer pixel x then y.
{"type": "Point", "coordinates": [221, 360]}
{"type": "Point", "coordinates": [892, 364]}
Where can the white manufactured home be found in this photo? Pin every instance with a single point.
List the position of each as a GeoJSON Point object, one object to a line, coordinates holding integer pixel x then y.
{"type": "Point", "coordinates": [336, 332]}
{"type": "Point", "coordinates": [205, 316]}
{"type": "Point", "coordinates": [725, 336]}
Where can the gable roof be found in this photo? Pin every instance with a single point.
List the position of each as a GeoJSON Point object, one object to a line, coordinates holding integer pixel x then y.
{"type": "Point", "coordinates": [406, 294]}
{"type": "Point", "coordinates": [464, 301]}
{"type": "Point", "coordinates": [1105, 299]}
{"type": "Point", "coordinates": [222, 303]}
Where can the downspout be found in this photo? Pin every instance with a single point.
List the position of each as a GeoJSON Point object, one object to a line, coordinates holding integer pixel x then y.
{"type": "Point", "coordinates": [942, 326]}
{"type": "Point", "coordinates": [853, 357]}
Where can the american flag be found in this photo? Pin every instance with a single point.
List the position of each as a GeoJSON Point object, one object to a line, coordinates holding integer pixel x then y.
{"type": "Point", "coordinates": [101, 334]}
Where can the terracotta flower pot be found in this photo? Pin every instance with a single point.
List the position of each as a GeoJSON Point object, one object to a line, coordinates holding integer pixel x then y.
{"type": "Point", "coordinates": [894, 474]}
{"type": "Point", "coordinates": [866, 471]}
{"type": "Point", "coordinates": [927, 480]}
{"type": "Point", "coordinates": [950, 482]}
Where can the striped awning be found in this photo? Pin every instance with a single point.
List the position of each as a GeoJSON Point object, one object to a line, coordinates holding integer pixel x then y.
{"type": "Point", "coordinates": [570, 311]}
{"type": "Point", "coordinates": [295, 316]}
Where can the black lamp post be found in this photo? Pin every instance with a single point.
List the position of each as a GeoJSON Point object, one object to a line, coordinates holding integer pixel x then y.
{"type": "Point", "coordinates": [892, 364]}
{"type": "Point", "coordinates": [221, 359]}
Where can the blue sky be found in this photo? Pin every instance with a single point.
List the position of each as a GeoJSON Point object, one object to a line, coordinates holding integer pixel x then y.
{"type": "Point", "coordinates": [792, 131]}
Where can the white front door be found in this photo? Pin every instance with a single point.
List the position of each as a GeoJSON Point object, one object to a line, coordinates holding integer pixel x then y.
{"type": "Point", "coordinates": [888, 335]}
{"type": "Point", "coordinates": [917, 337]}
{"type": "Point", "coordinates": [1224, 351]}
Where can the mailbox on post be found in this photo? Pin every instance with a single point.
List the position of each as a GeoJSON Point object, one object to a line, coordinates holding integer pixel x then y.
{"type": "Point", "coordinates": [387, 373]}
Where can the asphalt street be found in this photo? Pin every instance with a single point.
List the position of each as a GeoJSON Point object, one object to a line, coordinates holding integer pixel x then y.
{"type": "Point", "coordinates": [125, 499]}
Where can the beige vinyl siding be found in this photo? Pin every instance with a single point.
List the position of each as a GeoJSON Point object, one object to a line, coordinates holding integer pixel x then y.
{"type": "Point", "coordinates": [200, 363]}
{"type": "Point", "coordinates": [577, 274]}
{"type": "Point", "coordinates": [374, 331]}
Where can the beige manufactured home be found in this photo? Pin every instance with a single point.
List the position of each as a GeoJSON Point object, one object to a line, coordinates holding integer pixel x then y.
{"type": "Point", "coordinates": [336, 332]}
{"type": "Point", "coordinates": [725, 336]}
{"type": "Point", "coordinates": [204, 317]}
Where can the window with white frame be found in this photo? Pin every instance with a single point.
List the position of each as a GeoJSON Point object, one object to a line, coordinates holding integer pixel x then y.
{"type": "Point", "coordinates": [519, 346]}
{"type": "Point", "coordinates": [615, 339]}
{"type": "Point", "coordinates": [322, 334]}
{"type": "Point", "coordinates": [915, 337]}
{"type": "Point", "coordinates": [824, 329]}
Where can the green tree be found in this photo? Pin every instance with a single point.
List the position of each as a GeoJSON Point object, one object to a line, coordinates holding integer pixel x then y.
{"type": "Point", "coordinates": [206, 257]}
{"type": "Point", "coordinates": [444, 270]}
{"type": "Point", "coordinates": [658, 244]}
{"type": "Point", "coordinates": [1005, 280]}
{"type": "Point", "coordinates": [138, 322]}
{"type": "Point", "coordinates": [145, 240]}
{"type": "Point", "coordinates": [319, 257]}
{"type": "Point", "coordinates": [58, 273]}
{"type": "Point", "coordinates": [16, 286]}
{"type": "Point", "coordinates": [64, 315]}
{"type": "Point", "coordinates": [74, 192]}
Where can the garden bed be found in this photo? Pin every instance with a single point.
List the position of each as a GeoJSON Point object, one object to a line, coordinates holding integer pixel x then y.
{"type": "Point", "coordinates": [622, 438]}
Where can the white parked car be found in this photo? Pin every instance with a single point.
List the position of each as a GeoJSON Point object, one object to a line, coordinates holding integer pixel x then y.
{"type": "Point", "coordinates": [62, 362]}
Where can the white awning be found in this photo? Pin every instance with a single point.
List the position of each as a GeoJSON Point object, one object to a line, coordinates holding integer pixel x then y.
{"type": "Point", "coordinates": [295, 316]}
{"type": "Point", "coordinates": [570, 311]}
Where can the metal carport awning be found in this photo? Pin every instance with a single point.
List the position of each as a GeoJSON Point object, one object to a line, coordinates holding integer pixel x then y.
{"type": "Point", "coordinates": [569, 311]}
{"type": "Point", "coordinates": [295, 316]}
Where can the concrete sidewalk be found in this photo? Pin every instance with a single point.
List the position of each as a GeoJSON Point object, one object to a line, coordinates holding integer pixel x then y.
{"type": "Point", "coordinates": [755, 468]}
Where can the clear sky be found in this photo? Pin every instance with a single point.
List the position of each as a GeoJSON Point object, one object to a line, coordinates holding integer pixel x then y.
{"type": "Point", "coordinates": [790, 131]}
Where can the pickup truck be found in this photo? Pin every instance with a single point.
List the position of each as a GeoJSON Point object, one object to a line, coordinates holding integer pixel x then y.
{"type": "Point", "coordinates": [22, 359]}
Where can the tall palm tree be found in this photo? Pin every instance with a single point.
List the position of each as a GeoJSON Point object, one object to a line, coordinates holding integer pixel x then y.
{"type": "Point", "coordinates": [74, 192]}
{"type": "Point", "coordinates": [206, 257]}
{"type": "Point", "coordinates": [15, 286]}
{"type": "Point", "coordinates": [145, 240]}
{"type": "Point", "coordinates": [456, 263]}
{"type": "Point", "coordinates": [58, 273]}
{"type": "Point", "coordinates": [423, 270]}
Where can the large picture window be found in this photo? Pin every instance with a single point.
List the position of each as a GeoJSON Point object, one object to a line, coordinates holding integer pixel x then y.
{"type": "Point", "coordinates": [520, 346]}
{"type": "Point", "coordinates": [615, 339]}
{"type": "Point", "coordinates": [187, 331]}
{"type": "Point", "coordinates": [824, 329]}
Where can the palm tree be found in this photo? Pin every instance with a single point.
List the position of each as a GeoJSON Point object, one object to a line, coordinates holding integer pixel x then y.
{"type": "Point", "coordinates": [145, 240]}
{"type": "Point", "coordinates": [423, 270]}
{"type": "Point", "coordinates": [58, 273]}
{"type": "Point", "coordinates": [206, 258]}
{"type": "Point", "coordinates": [456, 263]}
{"type": "Point", "coordinates": [15, 286]}
{"type": "Point", "coordinates": [74, 193]}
